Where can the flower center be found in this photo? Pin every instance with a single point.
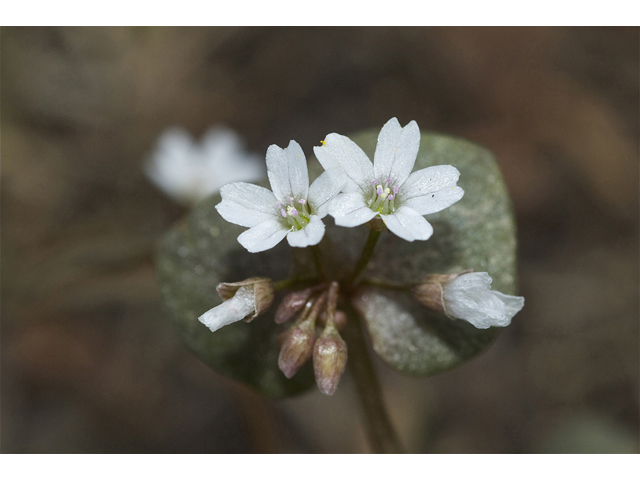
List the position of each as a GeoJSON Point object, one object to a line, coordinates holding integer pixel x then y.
{"type": "Point", "coordinates": [296, 213]}
{"type": "Point", "coordinates": [384, 196]}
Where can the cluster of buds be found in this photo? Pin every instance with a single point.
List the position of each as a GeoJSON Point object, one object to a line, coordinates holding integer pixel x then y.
{"type": "Point", "coordinates": [315, 332]}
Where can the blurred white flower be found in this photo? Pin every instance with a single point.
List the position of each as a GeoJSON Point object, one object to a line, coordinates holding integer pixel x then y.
{"type": "Point", "coordinates": [294, 209]}
{"type": "Point", "coordinates": [469, 297]}
{"type": "Point", "coordinates": [188, 170]}
{"type": "Point", "coordinates": [387, 188]}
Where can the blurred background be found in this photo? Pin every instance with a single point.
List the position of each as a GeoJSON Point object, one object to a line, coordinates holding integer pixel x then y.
{"type": "Point", "coordinates": [91, 364]}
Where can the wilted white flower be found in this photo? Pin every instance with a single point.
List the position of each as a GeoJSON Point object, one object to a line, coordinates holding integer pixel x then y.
{"type": "Point", "coordinates": [243, 300]}
{"type": "Point", "coordinates": [294, 209]}
{"type": "Point", "coordinates": [387, 189]}
{"type": "Point", "coordinates": [189, 171]}
{"type": "Point", "coordinates": [469, 297]}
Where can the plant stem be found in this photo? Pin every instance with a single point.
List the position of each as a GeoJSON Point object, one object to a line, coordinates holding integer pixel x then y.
{"type": "Point", "coordinates": [375, 282]}
{"type": "Point", "coordinates": [316, 258]}
{"type": "Point", "coordinates": [290, 282]}
{"type": "Point", "coordinates": [367, 253]}
{"type": "Point", "coordinates": [382, 436]}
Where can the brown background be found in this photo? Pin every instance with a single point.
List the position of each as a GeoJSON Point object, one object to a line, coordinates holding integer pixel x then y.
{"type": "Point", "coordinates": [89, 361]}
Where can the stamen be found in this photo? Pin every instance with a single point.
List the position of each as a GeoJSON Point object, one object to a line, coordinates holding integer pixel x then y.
{"type": "Point", "coordinates": [395, 190]}
{"type": "Point", "coordinates": [284, 214]}
{"type": "Point", "coordinates": [379, 189]}
{"type": "Point", "coordinates": [375, 180]}
{"type": "Point", "coordinates": [387, 181]}
{"type": "Point", "coordinates": [278, 204]}
{"type": "Point", "coordinates": [291, 200]}
{"type": "Point", "coordinates": [302, 201]}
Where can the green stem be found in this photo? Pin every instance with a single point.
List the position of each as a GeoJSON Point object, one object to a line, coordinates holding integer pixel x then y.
{"type": "Point", "coordinates": [290, 282]}
{"type": "Point", "coordinates": [365, 257]}
{"type": "Point", "coordinates": [376, 282]}
{"type": "Point", "coordinates": [316, 258]}
{"type": "Point", "coordinates": [382, 436]}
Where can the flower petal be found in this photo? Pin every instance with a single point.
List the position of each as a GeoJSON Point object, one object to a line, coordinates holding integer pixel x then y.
{"type": "Point", "coordinates": [311, 234]}
{"type": "Point", "coordinates": [238, 307]}
{"type": "Point", "coordinates": [341, 152]}
{"type": "Point", "coordinates": [513, 304]}
{"type": "Point", "coordinates": [243, 216]}
{"type": "Point", "coordinates": [431, 189]}
{"type": "Point", "coordinates": [408, 224]}
{"type": "Point", "coordinates": [250, 196]}
{"type": "Point", "coordinates": [287, 171]}
{"type": "Point", "coordinates": [323, 189]}
{"type": "Point", "coordinates": [350, 210]}
{"type": "Point", "coordinates": [396, 151]}
{"type": "Point", "coordinates": [263, 236]}
{"type": "Point", "coordinates": [434, 202]}
{"type": "Point", "coordinates": [469, 298]}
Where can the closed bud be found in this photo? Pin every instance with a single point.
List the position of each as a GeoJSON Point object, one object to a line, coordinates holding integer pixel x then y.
{"type": "Point", "coordinates": [329, 359]}
{"type": "Point", "coordinates": [292, 304]}
{"type": "Point", "coordinates": [297, 347]}
{"type": "Point", "coordinates": [240, 301]}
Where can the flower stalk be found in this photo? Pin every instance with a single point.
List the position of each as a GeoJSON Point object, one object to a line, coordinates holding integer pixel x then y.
{"type": "Point", "coordinates": [365, 257]}
{"type": "Point", "coordinates": [380, 431]}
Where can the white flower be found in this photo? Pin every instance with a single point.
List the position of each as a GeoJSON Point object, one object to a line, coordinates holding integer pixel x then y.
{"type": "Point", "coordinates": [189, 171]}
{"type": "Point", "coordinates": [387, 188]}
{"type": "Point", "coordinates": [294, 209]}
{"type": "Point", "coordinates": [468, 297]}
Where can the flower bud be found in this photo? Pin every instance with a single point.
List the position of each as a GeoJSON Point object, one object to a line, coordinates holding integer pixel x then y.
{"type": "Point", "coordinates": [329, 359]}
{"type": "Point", "coordinates": [292, 303]}
{"type": "Point", "coordinates": [298, 344]}
{"type": "Point", "coordinates": [297, 347]}
{"type": "Point", "coordinates": [240, 301]}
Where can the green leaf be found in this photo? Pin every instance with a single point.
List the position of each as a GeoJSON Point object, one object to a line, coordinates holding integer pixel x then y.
{"type": "Point", "coordinates": [478, 232]}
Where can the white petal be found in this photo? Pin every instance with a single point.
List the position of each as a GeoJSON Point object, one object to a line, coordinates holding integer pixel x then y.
{"type": "Point", "coordinates": [513, 304]}
{"type": "Point", "coordinates": [263, 236]}
{"type": "Point", "coordinates": [430, 179]}
{"type": "Point", "coordinates": [250, 196]}
{"type": "Point", "coordinates": [408, 224]}
{"type": "Point", "coordinates": [243, 216]}
{"type": "Point", "coordinates": [396, 151]}
{"type": "Point", "coordinates": [436, 201]}
{"type": "Point", "coordinates": [323, 189]}
{"type": "Point", "coordinates": [240, 306]}
{"type": "Point", "coordinates": [350, 210]}
{"type": "Point", "coordinates": [311, 234]}
{"type": "Point", "coordinates": [341, 152]}
{"type": "Point", "coordinates": [468, 297]}
{"type": "Point", "coordinates": [287, 171]}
